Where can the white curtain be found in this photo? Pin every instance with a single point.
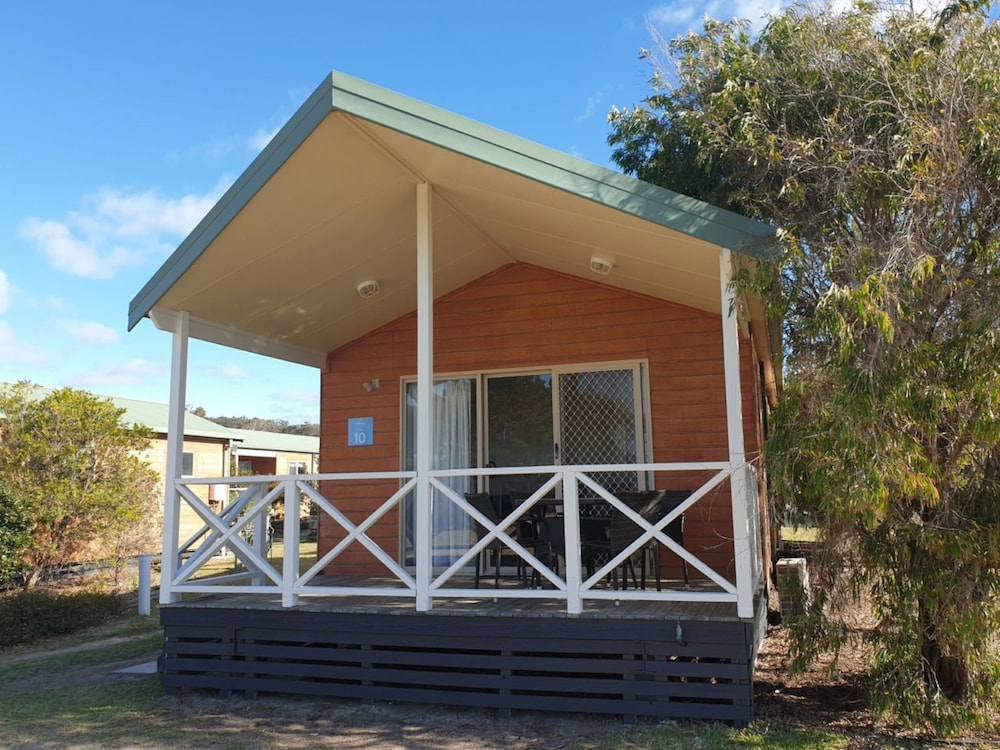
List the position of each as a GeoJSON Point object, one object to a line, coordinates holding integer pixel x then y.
{"type": "Point", "coordinates": [452, 450]}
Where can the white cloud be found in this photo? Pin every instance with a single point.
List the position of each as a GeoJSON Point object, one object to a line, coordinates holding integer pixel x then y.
{"type": "Point", "coordinates": [594, 101]}
{"type": "Point", "coordinates": [16, 352]}
{"type": "Point", "coordinates": [148, 214]}
{"type": "Point", "coordinates": [116, 229]}
{"type": "Point", "coordinates": [673, 18]}
{"type": "Point", "coordinates": [220, 149]}
{"type": "Point", "coordinates": [111, 374]}
{"type": "Point", "coordinates": [303, 397]}
{"type": "Point", "coordinates": [91, 332]}
{"type": "Point", "coordinates": [75, 256]}
{"type": "Point", "coordinates": [261, 138]}
{"type": "Point", "coordinates": [5, 292]}
{"type": "Point", "coordinates": [228, 372]}
{"type": "Point", "coordinates": [673, 14]}
{"type": "Point", "coordinates": [676, 17]}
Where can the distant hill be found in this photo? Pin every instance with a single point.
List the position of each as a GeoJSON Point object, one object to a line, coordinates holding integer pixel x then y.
{"type": "Point", "coordinates": [267, 425]}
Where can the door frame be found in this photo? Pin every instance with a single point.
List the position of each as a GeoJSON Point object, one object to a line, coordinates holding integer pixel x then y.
{"type": "Point", "coordinates": [641, 404]}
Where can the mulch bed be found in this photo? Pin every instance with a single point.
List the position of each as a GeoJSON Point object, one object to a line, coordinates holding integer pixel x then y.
{"type": "Point", "coordinates": [838, 701]}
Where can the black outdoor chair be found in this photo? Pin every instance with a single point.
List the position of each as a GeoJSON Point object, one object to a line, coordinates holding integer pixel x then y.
{"type": "Point", "coordinates": [652, 506]}
{"type": "Point", "coordinates": [527, 532]}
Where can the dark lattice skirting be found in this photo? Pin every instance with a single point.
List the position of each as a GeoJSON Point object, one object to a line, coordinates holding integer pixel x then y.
{"type": "Point", "coordinates": [659, 668]}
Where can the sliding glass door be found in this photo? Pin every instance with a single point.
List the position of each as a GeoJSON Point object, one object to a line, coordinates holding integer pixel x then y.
{"type": "Point", "coordinates": [455, 447]}
{"type": "Point", "coordinates": [581, 415]}
{"type": "Point", "coordinates": [520, 430]}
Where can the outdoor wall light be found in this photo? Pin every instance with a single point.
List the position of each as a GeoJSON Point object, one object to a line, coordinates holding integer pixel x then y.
{"type": "Point", "coordinates": [369, 288]}
{"type": "Point", "coordinates": [600, 265]}
{"type": "Point", "coordinates": [371, 385]}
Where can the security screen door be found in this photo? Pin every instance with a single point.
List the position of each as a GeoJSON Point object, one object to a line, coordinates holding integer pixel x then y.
{"type": "Point", "coordinates": [600, 421]}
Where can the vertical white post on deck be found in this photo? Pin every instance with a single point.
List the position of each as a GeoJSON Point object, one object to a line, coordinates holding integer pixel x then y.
{"type": "Point", "coordinates": [290, 536]}
{"type": "Point", "coordinates": [170, 557]}
{"type": "Point", "coordinates": [571, 534]}
{"type": "Point", "coordinates": [423, 531]}
{"type": "Point", "coordinates": [737, 452]}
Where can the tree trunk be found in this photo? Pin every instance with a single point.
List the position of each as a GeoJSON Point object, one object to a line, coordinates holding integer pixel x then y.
{"type": "Point", "coordinates": [947, 675]}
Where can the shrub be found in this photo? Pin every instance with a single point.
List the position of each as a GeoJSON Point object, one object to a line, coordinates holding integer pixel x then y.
{"type": "Point", "coordinates": [31, 615]}
{"type": "Point", "coordinates": [15, 535]}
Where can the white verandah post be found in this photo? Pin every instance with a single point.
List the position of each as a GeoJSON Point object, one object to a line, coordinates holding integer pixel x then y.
{"type": "Point", "coordinates": [170, 554]}
{"type": "Point", "coordinates": [742, 548]}
{"type": "Point", "coordinates": [423, 462]}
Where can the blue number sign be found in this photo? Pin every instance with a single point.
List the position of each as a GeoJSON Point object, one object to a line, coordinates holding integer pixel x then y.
{"type": "Point", "coordinates": [360, 431]}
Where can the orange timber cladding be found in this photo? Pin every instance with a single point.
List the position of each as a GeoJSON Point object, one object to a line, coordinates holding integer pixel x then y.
{"type": "Point", "coordinates": [522, 316]}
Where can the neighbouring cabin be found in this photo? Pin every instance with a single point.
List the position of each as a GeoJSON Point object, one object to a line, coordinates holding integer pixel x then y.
{"type": "Point", "coordinates": [263, 452]}
{"type": "Point", "coordinates": [542, 406]}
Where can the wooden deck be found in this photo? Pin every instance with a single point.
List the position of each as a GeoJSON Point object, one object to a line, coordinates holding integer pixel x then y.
{"type": "Point", "coordinates": [636, 658]}
{"type": "Point", "coordinates": [484, 605]}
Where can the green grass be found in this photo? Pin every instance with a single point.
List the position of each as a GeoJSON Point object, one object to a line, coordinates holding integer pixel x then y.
{"type": "Point", "coordinates": [131, 649]}
{"type": "Point", "coordinates": [220, 566]}
{"type": "Point", "coordinates": [799, 533]}
{"type": "Point", "coordinates": [109, 716]}
{"type": "Point", "coordinates": [682, 736]}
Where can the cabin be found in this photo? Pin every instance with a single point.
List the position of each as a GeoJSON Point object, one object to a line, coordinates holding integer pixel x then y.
{"type": "Point", "coordinates": [543, 400]}
{"type": "Point", "coordinates": [266, 452]}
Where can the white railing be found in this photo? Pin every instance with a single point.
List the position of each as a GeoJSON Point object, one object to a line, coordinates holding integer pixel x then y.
{"type": "Point", "coordinates": [753, 515]}
{"type": "Point", "coordinates": [240, 529]}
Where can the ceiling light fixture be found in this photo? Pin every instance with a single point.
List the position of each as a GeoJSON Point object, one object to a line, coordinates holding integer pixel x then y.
{"type": "Point", "coordinates": [600, 265]}
{"type": "Point", "coordinates": [369, 288]}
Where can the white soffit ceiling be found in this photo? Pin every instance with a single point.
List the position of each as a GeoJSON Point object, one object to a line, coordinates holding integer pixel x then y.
{"type": "Point", "coordinates": [275, 266]}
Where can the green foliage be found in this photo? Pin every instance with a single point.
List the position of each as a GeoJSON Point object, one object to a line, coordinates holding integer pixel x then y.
{"type": "Point", "coordinates": [871, 138]}
{"type": "Point", "coordinates": [29, 616]}
{"type": "Point", "coordinates": [15, 535]}
{"type": "Point", "coordinates": [75, 470]}
{"type": "Point", "coordinates": [266, 425]}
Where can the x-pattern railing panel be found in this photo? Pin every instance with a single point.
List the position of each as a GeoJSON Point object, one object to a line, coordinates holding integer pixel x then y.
{"type": "Point", "coordinates": [227, 534]}
{"type": "Point", "coordinates": [356, 533]}
{"type": "Point", "coordinates": [653, 530]}
{"type": "Point", "coordinates": [223, 529]}
{"type": "Point", "coordinates": [494, 532]}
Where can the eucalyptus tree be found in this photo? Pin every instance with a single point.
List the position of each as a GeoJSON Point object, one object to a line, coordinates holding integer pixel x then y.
{"type": "Point", "coordinates": [871, 138]}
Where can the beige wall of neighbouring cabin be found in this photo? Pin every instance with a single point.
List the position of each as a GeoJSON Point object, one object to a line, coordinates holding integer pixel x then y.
{"type": "Point", "coordinates": [522, 316]}
{"type": "Point", "coordinates": [211, 459]}
{"type": "Point", "coordinates": [279, 463]}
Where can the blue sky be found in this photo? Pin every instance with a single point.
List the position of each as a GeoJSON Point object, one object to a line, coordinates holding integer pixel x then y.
{"type": "Point", "coordinates": [121, 123]}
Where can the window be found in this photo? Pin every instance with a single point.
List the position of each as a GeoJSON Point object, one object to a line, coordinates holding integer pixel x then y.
{"type": "Point", "coordinates": [296, 467]}
{"type": "Point", "coordinates": [187, 464]}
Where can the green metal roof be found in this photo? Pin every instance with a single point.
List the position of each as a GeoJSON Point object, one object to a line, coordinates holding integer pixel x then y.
{"type": "Point", "coordinates": [276, 441]}
{"type": "Point", "coordinates": [153, 415]}
{"type": "Point", "coordinates": [156, 416]}
{"type": "Point", "coordinates": [342, 93]}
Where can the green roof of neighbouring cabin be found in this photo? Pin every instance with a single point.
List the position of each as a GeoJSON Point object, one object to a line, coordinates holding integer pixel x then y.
{"type": "Point", "coordinates": [274, 267]}
{"type": "Point", "coordinates": [276, 441]}
{"type": "Point", "coordinates": [156, 416]}
{"type": "Point", "coordinates": [153, 415]}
